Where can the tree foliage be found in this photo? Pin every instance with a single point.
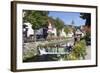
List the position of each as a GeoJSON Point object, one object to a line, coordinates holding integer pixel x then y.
{"type": "Point", "coordinates": [80, 49]}
{"type": "Point", "coordinates": [59, 24]}
{"type": "Point", "coordinates": [38, 19]}
{"type": "Point", "coordinates": [67, 29]}
{"type": "Point", "coordinates": [86, 16]}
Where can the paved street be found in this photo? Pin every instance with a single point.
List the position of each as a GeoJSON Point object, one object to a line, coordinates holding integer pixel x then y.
{"type": "Point", "coordinates": [88, 56]}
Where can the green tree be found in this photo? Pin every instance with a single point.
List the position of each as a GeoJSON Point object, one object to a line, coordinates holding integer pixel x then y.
{"type": "Point", "coordinates": [87, 17]}
{"type": "Point", "coordinates": [67, 29]}
{"type": "Point", "coordinates": [38, 19]}
{"type": "Point", "coordinates": [59, 24]}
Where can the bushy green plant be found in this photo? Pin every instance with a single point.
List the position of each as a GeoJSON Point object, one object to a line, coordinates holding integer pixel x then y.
{"type": "Point", "coordinates": [71, 56]}
{"type": "Point", "coordinates": [78, 52]}
{"type": "Point", "coordinates": [80, 49]}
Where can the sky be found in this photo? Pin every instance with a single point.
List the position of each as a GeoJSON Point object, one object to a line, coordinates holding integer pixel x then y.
{"type": "Point", "coordinates": [68, 17]}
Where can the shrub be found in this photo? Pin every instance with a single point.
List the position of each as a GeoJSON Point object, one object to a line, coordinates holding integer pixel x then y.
{"type": "Point", "coordinates": [80, 49]}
